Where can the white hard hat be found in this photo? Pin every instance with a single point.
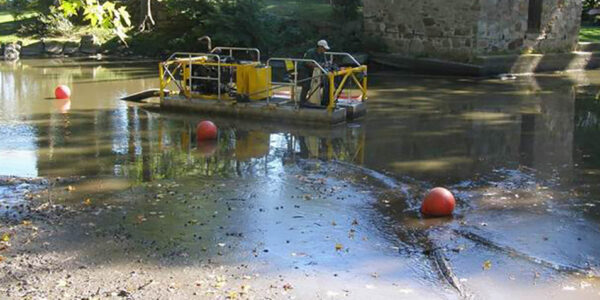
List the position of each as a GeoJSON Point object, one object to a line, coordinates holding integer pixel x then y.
{"type": "Point", "coordinates": [323, 43]}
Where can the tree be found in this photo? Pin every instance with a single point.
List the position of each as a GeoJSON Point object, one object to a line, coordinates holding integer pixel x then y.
{"type": "Point", "coordinates": [106, 15]}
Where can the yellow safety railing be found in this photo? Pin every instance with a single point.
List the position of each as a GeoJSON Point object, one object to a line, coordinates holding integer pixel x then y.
{"type": "Point", "coordinates": [334, 92]}
{"type": "Point", "coordinates": [184, 62]}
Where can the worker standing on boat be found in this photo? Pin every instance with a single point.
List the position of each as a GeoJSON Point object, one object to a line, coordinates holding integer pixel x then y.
{"type": "Point", "coordinates": [317, 54]}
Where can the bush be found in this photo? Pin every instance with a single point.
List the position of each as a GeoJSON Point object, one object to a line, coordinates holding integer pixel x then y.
{"type": "Point", "coordinates": [52, 24]}
{"type": "Point", "coordinates": [346, 9]}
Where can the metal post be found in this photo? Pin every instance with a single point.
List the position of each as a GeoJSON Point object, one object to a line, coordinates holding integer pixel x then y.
{"type": "Point", "coordinates": [364, 87]}
{"type": "Point", "coordinates": [295, 83]}
{"type": "Point", "coordinates": [190, 79]}
{"type": "Point", "coordinates": [161, 73]}
{"type": "Point", "coordinates": [218, 77]}
{"type": "Point", "coordinates": [331, 87]}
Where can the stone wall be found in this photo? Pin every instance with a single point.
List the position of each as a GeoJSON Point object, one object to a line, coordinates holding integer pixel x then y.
{"type": "Point", "coordinates": [463, 29]}
{"type": "Point", "coordinates": [502, 27]}
{"type": "Point", "coordinates": [424, 27]}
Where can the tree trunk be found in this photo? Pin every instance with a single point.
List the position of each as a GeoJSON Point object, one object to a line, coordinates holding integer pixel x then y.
{"type": "Point", "coordinates": [146, 20]}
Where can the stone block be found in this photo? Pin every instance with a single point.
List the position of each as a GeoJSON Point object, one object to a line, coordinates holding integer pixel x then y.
{"type": "Point", "coordinates": [88, 45]}
{"type": "Point", "coordinates": [34, 49]}
{"type": "Point", "coordinates": [433, 32]}
{"type": "Point", "coordinates": [516, 44]}
{"type": "Point", "coordinates": [70, 48]}
{"type": "Point", "coordinates": [416, 46]}
{"type": "Point", "coordinates": [429, 22]}
{"type": "Point", "coordinates": [53, 47]}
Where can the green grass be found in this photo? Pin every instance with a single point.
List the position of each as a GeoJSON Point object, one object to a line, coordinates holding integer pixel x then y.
{"type": "Point", "coordinates": [589, 34]}
{"type": "Point", "coordinates": [9, 26]}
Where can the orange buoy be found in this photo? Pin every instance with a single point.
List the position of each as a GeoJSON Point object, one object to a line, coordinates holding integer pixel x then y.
{"type": "Point", "coordinates": [438, 203]}
{"type": "Point", "coordinates": [206, 130]}
{"type": "Point", "coordinates": [62, 92]}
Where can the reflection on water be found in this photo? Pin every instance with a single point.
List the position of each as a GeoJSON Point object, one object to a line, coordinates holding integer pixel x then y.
{"type": "Point", "coordinates": [435, 129]}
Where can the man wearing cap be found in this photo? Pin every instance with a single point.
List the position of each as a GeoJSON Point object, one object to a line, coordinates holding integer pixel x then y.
{"type": "Point", "coordinates": [317, 54]}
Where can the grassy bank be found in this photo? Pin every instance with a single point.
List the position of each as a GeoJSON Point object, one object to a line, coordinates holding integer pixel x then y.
{"type": "Point", "coordinates": [589, 34]}
{"type": "Point", "coordinates": [9, 26]}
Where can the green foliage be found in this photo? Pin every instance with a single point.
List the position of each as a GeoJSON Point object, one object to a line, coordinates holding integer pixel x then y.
{"type": "Point", "coordinates": [587, 6]}
{"type": "Point", "coordinates": [346, 9]}
{"type": "Point", "coordinates": [105, 15]}
{"type": "Point", "coordinates": [278, 29]}
{"type": "Point", "coordinates": [52, 24]}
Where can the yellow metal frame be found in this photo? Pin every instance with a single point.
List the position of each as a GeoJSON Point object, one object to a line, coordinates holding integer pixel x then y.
{"type": "Point", "coordinates": [183, 63]}
{"type": "Point", "coordinates": [334, 92]}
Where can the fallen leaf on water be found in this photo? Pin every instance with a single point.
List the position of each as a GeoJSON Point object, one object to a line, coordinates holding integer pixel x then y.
{"type": "Point", "coordinates": [355, 222]}
{"type": "Point", "coordinates": [70, 188]}
{"type": "Point", "coordinates": [232, 295]}
{"type": "Point", "coordinates": [140, 218]}
{"type": "Point", "coordinates": [287, 287]}
{"type": "Point", "coordinates": [61, 283]}
{"type": "Point", "coordinates": [487, 265]}
{"type": "Point", "coordinates": [1, 259]}
{"type": "Point", "coordinates": [26, 223]}
{"type": "Point", "coordinates": [338, 247]}
{"type": "Point", "coordinates": [87, 202]}
{"type": "Point", "coordinates": [5, 237]}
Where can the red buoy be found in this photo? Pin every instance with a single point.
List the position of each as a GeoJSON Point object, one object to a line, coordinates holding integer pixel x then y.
{"type": "Point", "coordinates": [438, 203]}
{"type": "Point", "coordinates": [206, 130]}
{"type": "Point", "coordinates": [62, 92]}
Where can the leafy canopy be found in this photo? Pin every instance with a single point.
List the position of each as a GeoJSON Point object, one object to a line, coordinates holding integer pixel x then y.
{"type": "Point", "coordinates": [105, 15]}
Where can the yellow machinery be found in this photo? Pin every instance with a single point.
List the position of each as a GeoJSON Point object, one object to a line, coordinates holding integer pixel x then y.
{"type": "Point", "coordinates": [219, 76]}
{"type": "Point", "coordinates": [213, 76]}
{"type": "Point", "coordinates": [254, 81]}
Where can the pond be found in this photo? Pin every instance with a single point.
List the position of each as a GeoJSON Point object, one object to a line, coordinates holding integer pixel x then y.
{"type": "Point", "coordinates": [522, 157]}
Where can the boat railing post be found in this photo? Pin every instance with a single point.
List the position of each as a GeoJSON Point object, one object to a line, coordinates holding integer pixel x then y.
{"type": "Point", "coordinates": [295, 86]}
{"type": "Point", "coordinates": [331, 104]}
{"type": "Point", "coordinates": [354, 60]}
{"type": "Point", "coordinates": [190, 79]}
{"type": "Point", "coordinates": [219, 77]}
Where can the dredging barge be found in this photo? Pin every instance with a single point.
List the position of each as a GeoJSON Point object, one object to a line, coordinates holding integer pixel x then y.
{"type": "Point", "coordinates": [223, 84]}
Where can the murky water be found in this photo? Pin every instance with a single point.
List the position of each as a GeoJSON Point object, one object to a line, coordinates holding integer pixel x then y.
{"type": "Point", "coordinates": [522, 156]}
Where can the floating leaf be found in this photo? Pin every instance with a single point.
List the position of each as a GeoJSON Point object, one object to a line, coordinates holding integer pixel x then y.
{"type": "Point", "coordinates": [87, 202]}
{"type": "Point", "coordinates": [1, 258]}
{"type": "Point", "coordinates": [61, 283]}
{"type": "Point", "coordinates": [338, 247]}
{"type": "Point", "coordinates": [26, 223]}
{"type": "Point", "coordinates": [487, 265]}
{"type": "Point", "coordinates": [5, 237]}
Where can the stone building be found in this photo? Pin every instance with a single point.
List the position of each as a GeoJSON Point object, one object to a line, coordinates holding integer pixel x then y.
{"type": "Point", "coordinates": [463, 29]}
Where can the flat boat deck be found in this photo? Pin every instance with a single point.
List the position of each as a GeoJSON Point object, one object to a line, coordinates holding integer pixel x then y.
{"type": "Point", "coordinates": [278, 109]}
